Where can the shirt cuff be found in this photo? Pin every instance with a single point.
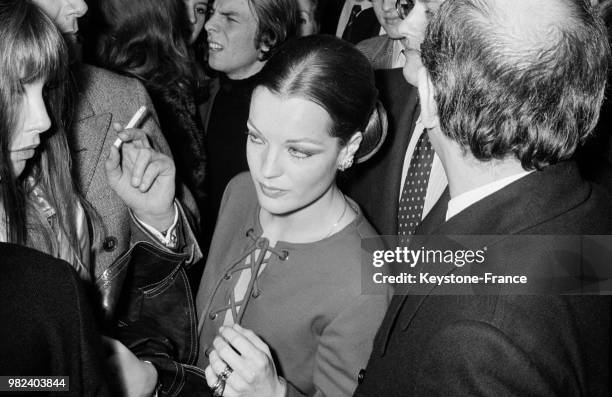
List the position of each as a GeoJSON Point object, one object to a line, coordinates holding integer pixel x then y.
{"type": "Point", "coordinates": [169, 237]}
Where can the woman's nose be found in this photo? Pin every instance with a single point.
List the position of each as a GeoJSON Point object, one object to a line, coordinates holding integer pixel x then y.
{"type": "Point", "coordinates": [270, 165]}
{"type": "Point", "coordinates": [79, 6]}
{"type": "Point", "coordinates": [40, 121]}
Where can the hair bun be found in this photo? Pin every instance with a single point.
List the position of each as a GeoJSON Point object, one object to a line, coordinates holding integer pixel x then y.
{"type": "Point", "coordinates": [374, 134]}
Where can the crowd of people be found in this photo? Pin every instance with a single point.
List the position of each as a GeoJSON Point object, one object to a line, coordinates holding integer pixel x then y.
{"type": "Point", "coordinates": [214, 245]}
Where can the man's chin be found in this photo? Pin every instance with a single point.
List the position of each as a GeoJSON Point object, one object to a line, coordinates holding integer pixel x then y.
{"type": "Point", "coordinates": [410, 75]}
{"type": "Point", "coordinates": [392, 32]}
{"type": "Point", "coordinates": [412, 66]}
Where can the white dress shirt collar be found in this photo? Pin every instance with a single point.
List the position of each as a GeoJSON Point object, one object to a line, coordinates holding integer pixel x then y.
{"type": "Point", "coordinates": [464, 200]}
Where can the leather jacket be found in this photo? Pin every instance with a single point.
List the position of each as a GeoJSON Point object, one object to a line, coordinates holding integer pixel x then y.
{"type": "Point", "coordinates": [155, 316]}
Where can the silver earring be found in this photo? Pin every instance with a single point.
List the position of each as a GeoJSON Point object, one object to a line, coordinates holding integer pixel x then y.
{"type": "Point", "coordinates": [346, 164]}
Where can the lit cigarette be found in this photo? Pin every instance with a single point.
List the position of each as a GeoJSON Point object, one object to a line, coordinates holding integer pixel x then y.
{"type": "Point", "coordinates": [134, 121]}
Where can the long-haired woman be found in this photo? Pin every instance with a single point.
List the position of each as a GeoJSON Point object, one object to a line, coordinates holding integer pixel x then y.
{"type": "Point", "coordinates": [149, 40]}
{"type": "Point", "coordinates": [39, 204]}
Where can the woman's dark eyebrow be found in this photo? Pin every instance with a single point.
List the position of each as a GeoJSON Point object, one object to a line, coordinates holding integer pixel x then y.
{"type": "Point", "coordinates": [250, 124]}
{"type": "Point", "coordinates": [302, 140]}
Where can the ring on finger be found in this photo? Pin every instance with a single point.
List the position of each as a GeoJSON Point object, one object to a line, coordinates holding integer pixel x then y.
{"type": "Point", "coordinates": [227, 371]}
{"type": "Point", "coordinates": [218, 388]}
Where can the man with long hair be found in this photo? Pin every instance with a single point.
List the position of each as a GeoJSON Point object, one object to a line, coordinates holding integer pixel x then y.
{"type": "Point", "coordinates": [242, 35]}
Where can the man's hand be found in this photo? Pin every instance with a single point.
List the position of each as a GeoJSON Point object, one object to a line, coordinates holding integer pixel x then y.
{"type": "Point", "coordinates": [143, 178]}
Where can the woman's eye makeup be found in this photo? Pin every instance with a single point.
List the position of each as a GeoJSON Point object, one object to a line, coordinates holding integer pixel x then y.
{"type": "Point", "coordinates": [294, 149]}
{"type": "Point", "coordinates": [253, 137]}
{"type": "Point", "coordinates": [300, 153]}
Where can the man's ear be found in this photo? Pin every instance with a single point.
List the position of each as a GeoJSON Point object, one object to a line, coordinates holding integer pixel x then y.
{"type": "Point", "coordinates": [264, 49]}
{"type": "Point", "coordinates": [429, 108]}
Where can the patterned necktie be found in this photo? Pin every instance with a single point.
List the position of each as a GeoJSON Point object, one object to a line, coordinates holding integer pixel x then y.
{"type": "Point", "coordinates": [415, 187]}
{"type": "Point", "coordinates": [346, 35]}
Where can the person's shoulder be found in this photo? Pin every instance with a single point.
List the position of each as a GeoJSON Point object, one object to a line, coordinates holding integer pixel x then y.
{"type": "Point", "coordinates": [242, 183]}
{"type": "Point", "coordinates": [598, 210]}
{"type": "Point", "coordinates": [97, 78]}
{"type": "Point", "coordinates": [29, 267]}
{"type": "Point", "coordinates": [345, 245]}
{"type": "Point", "coordinates": [239, 195]}
{"type": "Point", "coordinates": [13, 254]}
{"type": "Point", "coordinates": [363, 227]}
{"type": "Point", "coordinates": [105, 89]}
{"type": "Point", "coordinates": [373, 44]}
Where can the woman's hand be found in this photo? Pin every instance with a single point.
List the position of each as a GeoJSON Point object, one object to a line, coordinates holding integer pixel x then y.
{"type": "Point", "coordinates": [134, 378]}
{"type": "Point", "coordinates": [252, 372]}
{"type": "Point", "coordinates": [143, 178]}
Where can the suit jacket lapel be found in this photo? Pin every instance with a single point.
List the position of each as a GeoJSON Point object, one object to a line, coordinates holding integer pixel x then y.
{"type": "Point", "coordinates": [383, 54]}
{"type": "Point", "coordinates": [88, 147]}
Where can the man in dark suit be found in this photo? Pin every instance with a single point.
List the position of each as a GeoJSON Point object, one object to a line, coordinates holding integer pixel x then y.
{"type": "Point", "coordinates": [505, 121]}
{"type": "Point", "coordinates": [382, 185]}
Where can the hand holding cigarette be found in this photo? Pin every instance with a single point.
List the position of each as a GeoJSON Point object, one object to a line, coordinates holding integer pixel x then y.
{"type": "Point", "coordinates": [134, 122]}
{"type": "Point", "coordinates": [141, 176]}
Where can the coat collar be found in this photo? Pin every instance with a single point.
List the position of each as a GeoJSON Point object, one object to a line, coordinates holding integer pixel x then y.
{"type": "Point", "coordinates": [532, 200]}
{"type": "Point", "coordinates": [383, 54]}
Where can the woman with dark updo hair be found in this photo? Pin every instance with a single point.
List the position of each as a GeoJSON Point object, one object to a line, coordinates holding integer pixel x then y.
{"type": "Point", "coordinates": [280, 306]}
{"type": "Point", "coordinates": [281, 312]}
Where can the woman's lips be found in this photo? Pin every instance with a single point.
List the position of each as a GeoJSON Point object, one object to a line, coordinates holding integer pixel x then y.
{"type": "Point", "coordinates": [270, 191]}
{"type": "Point", "coordinates": [23, 154]}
